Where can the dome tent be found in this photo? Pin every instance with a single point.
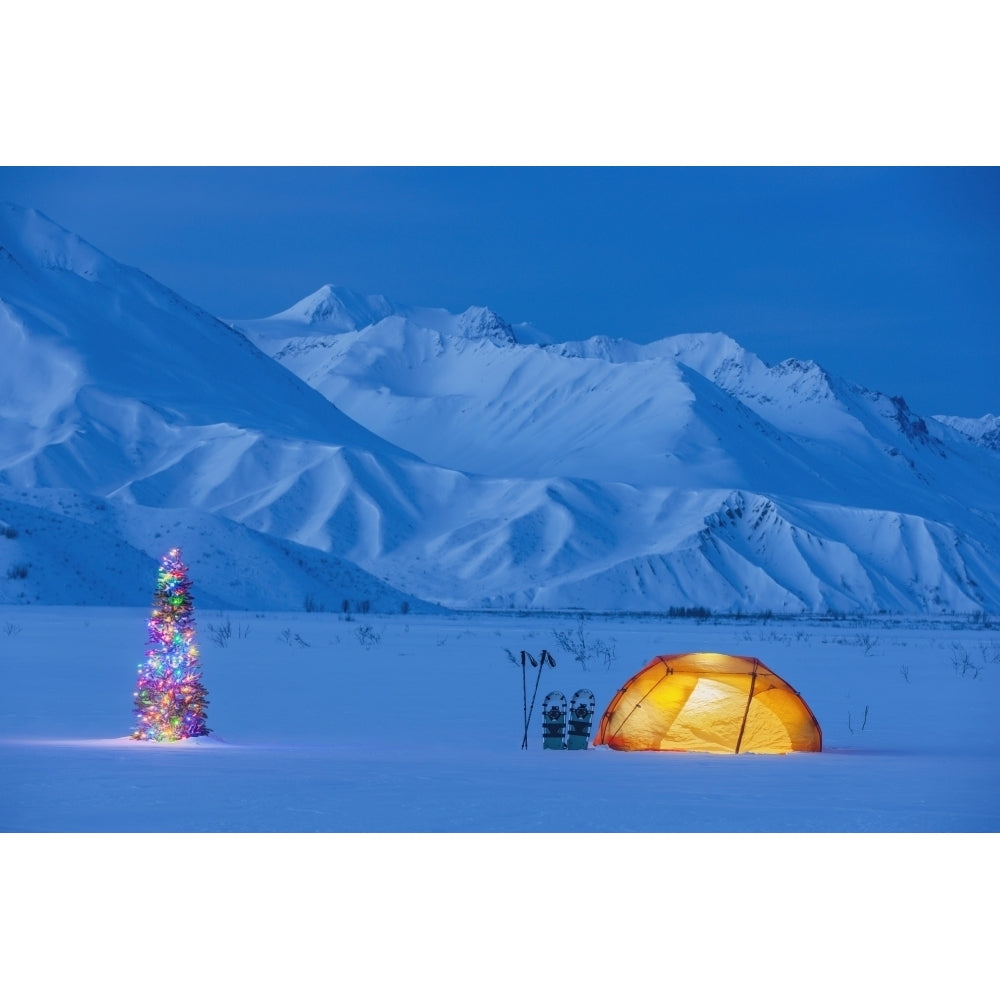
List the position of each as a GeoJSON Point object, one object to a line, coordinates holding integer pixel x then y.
{"type": "Point", "coordinates": [708, 702]}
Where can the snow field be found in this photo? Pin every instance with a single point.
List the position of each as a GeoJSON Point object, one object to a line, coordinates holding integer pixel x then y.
{"type": "Point", "coordinates": [383, 729]}
{"type": "Point", "coordinates": [413, 723]}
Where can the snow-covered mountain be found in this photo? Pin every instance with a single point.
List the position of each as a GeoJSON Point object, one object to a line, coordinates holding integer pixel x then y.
{"type": "Point", "coordinates": [413, 455]}
{"type": "Point", "coordinates": [691, 411]}
{"type": "Point", "coordinates": [984, 430]}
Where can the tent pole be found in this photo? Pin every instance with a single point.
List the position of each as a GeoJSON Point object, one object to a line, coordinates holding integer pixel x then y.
{"type": "Point", "coordinates": [746, 711]}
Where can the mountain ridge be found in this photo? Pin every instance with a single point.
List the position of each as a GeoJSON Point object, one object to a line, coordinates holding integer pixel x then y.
{"type": "Point", "coordinates": [397, 376]}
{"type": "Point", "coordinates": [438, 459]}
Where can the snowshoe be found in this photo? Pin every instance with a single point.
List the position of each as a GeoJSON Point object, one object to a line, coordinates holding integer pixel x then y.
{"type": "Point", "coordinates": [554, 721]}
{"type": "Point", "coordinates": [581, 715]}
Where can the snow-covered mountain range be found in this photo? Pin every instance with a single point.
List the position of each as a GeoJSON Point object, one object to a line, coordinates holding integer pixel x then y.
{"type": "Point", "coordinates": [350, 451]}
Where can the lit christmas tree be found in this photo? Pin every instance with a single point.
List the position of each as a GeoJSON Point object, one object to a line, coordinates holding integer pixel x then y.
{"type": "Point", "coordinates": [170, 699]}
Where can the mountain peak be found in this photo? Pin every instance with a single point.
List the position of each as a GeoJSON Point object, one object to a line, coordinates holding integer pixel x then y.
{"type": "Point", "coordinates": [27, 235]}
{"type": "Point", "coordinates": [984, 431]}
{"type": "Point", "coordinates": [482, 323]}
{"type": "Point", "coordinates": [336, 309]}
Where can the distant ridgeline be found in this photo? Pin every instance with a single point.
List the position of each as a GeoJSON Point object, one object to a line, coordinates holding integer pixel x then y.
{"type": "Point", "coordinates": [354, 453]}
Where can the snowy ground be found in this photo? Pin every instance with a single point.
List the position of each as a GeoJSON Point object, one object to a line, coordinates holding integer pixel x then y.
{"type": "Point", "coordinates": [413, 724]}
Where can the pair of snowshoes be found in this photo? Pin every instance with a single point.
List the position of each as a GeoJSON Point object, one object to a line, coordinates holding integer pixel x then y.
{"type": "Point", "coordinates": [567, 726]}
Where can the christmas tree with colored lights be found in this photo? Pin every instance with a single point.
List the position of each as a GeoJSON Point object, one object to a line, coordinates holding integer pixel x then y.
{"type": "Point", "coordinates": [170, 699]}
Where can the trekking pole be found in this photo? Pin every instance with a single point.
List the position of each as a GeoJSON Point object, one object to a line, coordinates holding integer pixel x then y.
{"type": "Point", "coordinates": [546, 655]}
{"type": "Point", "coordinates": [524, 693]}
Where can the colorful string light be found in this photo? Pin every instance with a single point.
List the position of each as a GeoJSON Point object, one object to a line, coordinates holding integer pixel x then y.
{"type": "Point", "coordinates": [170, 699]}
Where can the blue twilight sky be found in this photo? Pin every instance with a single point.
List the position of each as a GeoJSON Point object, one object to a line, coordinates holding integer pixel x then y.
{"type": "Point", "coordinates": [889, 277]}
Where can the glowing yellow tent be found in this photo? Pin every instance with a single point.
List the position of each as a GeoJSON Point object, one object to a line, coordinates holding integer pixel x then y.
{"type": "Point", "coordinates": [708, 702]}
